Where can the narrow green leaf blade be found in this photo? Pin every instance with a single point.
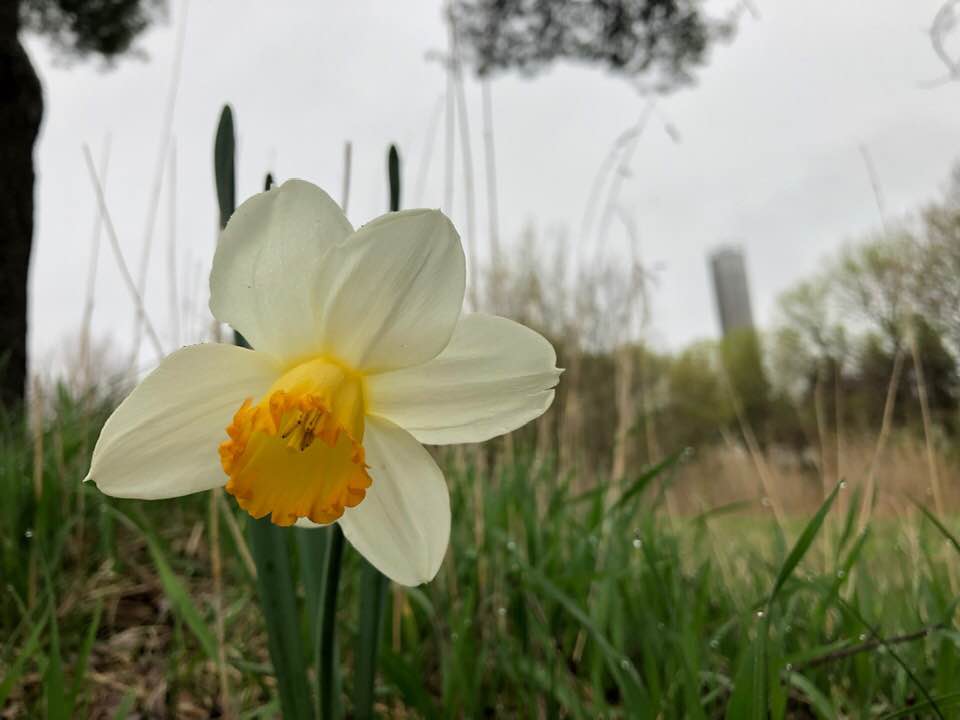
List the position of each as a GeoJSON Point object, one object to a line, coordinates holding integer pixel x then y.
{"type": "Point", "coordinates": [373, 598]}
{"type": "Point", "coordinates": [328, 656]}
{"type": "Point", "coordinates": [275, 589]}
{"type": "Point", "coordinates": [16, 669]}
{"type": "Point", "coordinates": [803, 544]}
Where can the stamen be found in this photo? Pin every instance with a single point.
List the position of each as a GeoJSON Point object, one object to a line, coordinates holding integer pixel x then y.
{"type": "Point", "coordinates": [275, 465]}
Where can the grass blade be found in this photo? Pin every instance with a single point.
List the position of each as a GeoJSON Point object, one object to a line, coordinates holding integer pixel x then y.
{"type": "Point", "coordinates": [180, 601]}
{"type": "Point", "coordinates": [126, 705]}
{"type": "Point", "coordinates": [16, 669]}
{"type": "Point", "coordinates": [939, 525]}
{"type": "Point", "coordinates": [54, 687]}
{"type": "Point", "coordinates": [749, 697]}
{"type": "Point", "coordinates": [645, 479]}
{"type": "Point", "coordinates": [80, 671]}
{"type": "Point", "coordinates": [803, 544]}
{"type": "Point", "coordinates": [820, 702]}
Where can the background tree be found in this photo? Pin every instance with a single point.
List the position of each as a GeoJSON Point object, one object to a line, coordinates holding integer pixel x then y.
{"type": "Point", "coordinates": [77, 29]}
{"type": "Point", "coordinates": [937, 284]}
{"type": "Point", "coordinates": [874, 281]}
{"type": "Point", "coordinates": [697, 405]}
{"type": "Point", "coordinates": [662, 41]}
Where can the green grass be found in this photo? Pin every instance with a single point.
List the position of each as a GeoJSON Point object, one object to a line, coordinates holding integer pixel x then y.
{"type": "Point", "coordinates": [551, 603]}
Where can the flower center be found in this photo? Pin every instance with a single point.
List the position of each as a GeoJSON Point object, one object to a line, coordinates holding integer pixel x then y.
{"type": "Point", "coordinates": [297, 453]}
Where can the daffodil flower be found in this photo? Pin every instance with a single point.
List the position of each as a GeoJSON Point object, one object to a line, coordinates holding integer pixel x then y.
{"type": "Point", "coordinates": [360, 355]}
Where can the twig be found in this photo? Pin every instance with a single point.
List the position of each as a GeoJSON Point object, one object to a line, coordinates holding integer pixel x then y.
{"type": "Point", "coordinates": [491, 177]}
{"type": "Point", "coordinates": [466, 152]}
{"type": "Point", "coordinates": [172, 248]}
{"type": "Point", "coordinates": [166, 131]}
{"type": "Point", "coordinates": [118, 254]}
{"type": "Point", "coordinates": [87, 320]}
{"type": "Point", "coordinates": [427, 151]}
{"type": "Point", "coordinates": [347, 165]}
{"type": "Point", "coordinates": [867, 646]}
{"type": "Point", "coordinates": [866, 509]}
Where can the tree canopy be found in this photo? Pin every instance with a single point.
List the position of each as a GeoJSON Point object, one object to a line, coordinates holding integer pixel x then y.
{"type": "Point", "coordinates": [661, 41]}
{"type": "Point", "coordinates": [78, 28]}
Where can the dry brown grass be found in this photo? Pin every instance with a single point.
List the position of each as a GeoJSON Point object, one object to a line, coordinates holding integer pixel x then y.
{"type": "Point", "coordinates": [725, 474]}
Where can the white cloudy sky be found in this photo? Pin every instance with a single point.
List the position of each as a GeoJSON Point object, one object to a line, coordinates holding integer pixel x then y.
{"type": "Point", "coordinates": [769, 152]}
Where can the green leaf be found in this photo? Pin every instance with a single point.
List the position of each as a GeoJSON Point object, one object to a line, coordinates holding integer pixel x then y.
{"type": "Point", "coordinates": [852, 610]}
{"type": "Point", "coordinates": [126, 705]}
{"type": "Point", "coordinates": [648, 475]}
{"type": "Point", "coordinates": [409, 680]}
{"type": "Point", "coordinates": [749, 697]}
{"type": "Point", "coordinates": [53, 682]}
{"type": "Point", "coordinates": [948, 700]}
{"type": "Point", "coordinates": [180, 600]}
{"type": "Point", "coordinates": [622, 670]}
{"type": "Point", "coordinates": [15, 670]}
{"type": "Point", "coordinates": [80, 671]}
{"type": "Point", "coordinates": [939, 525]}
{"type": "Point", "coordinates": [803, 544]}
{"type": "Point", "coordinates": [373, 598]}
{"type": "Point", "coordinates": [820, 702]}
{"type": "Point", "coordinates": [312, 551]}
{"type": "Point", "coordinates": [177, 595]}
{"type": "Point", "coordinates": [393, 175]}
{"type": "Point", "coordinates": [224, 150]}
{"type": "Point", "coordinates": [328, 656]}
{"type": "Point", "coordinates": [275, 588]}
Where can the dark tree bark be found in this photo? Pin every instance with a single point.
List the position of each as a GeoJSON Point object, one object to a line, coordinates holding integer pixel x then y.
{"type": "Point", "coordinates": [21, 109]}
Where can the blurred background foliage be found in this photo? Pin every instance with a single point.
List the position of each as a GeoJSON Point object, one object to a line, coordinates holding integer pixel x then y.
{"type": "Point", "coordinates": [757, 526]}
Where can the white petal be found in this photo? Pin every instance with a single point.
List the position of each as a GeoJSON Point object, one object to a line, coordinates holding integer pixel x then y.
{"type": "Point", "coordinates": [394, 291]}
{"type": "Point", "coordinates": [265, 277]}
{"type": "Point", "coordinates": [162, 440]}
{"type": "Point", "coordinates": [493, 377]}
{"type": "Point", "coordinates": [308, 524]}
{"type": "Point", "coordinates": [402, 526]}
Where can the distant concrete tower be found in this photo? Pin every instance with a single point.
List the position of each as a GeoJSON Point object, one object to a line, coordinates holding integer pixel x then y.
{"type": "Point", "coordinates": [730, 288]}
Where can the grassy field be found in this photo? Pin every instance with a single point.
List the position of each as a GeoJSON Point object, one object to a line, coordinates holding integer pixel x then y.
{"type": "Point", "coordinates": [599, 602]}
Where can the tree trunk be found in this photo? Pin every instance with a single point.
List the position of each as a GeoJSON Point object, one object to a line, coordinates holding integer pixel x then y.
{"type": "Point", "coordinates": [21, 108]}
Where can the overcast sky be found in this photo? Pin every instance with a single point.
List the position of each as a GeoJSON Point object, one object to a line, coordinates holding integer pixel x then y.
{"type": "Point", "coordinates": [769, 152]}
